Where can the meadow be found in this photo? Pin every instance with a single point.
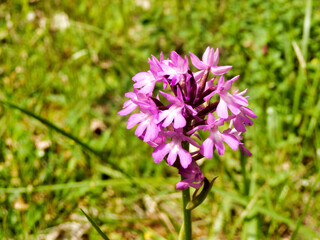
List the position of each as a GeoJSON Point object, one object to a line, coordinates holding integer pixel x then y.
{"type": "Point", "coordinates": [64, 69]}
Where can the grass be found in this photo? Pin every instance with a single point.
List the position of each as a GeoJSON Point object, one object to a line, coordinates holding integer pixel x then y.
{"type": "Point", "coordinates": [63, 147]}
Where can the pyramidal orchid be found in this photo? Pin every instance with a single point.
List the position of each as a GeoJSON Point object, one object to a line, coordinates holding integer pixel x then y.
{"type": "Point", "coordinates": [178, 114]}
{"type": "Point", "coordinates": [170, 120]}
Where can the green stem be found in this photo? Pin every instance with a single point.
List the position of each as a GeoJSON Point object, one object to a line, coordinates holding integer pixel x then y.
{"type": "Point", "coordinates": [187, 223]}
{"type": "Point", "coordinates": [187, 215]}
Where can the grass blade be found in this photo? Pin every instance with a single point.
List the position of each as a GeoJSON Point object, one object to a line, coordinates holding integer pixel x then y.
{"type": "Point", "coordinates": [159, 181]}
{"type": "Point", "coordinates": [118, 182]}
{"type": "Point", "coordinates": [249, 207]}
{"type": "Point", "coordinates": [268, 212]}
{"type": "Point", "coordinates": [306, 29]}
{"type": "Point", "coordinates": [120, 65]}
{"type": "Point", "coordinates": [300, 56]}
{"type": "Point", "coordinates": [301, 78]}
{"type": "Point", "coordinates": [306, 207]}
{"type": "Point", "coordinates": [52, 126]}
{"type": "Point", "coordinates": [95, 226]}
{"type": "Point", "coordinates": [101, 155]}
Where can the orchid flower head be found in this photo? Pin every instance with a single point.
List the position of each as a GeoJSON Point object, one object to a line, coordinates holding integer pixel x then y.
{"type": "Point", "coordinates": [170, 120]}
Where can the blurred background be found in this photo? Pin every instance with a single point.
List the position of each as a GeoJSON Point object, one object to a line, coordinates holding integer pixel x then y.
{"type": "Point", "coordinates": [64, 69]}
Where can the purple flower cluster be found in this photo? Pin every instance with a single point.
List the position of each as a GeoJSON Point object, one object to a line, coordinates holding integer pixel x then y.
{"type": "Point", "coordinates": [169, 120]}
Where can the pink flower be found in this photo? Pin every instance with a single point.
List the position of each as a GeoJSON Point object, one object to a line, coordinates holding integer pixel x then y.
{"type": "Point", "coordinates": [176, 68]}
{"type": "Point", "coordinates": [130, 105]}
{"type": "Point", "coordinates": [157, 141]}
{"type": "Point", "coordinates": [145, 81]}
{"type": "Point", "coordinates": [237, 134]}
{"type": "Point", "coordinates": [146, 119]}
{"type": "Point", "coordinates": [210, 60]}
{"type": "Point", "coordinates": [216, 138]}
{"type": "Point", "coordinates": [174, 149]}
{"type": "Point", "coordinates": [243, 119]}
{"type": "Point", "coordinates": [193, 177]}
{"type": "Point", "coordinates": [227, 100]}
{"type": "Point", "coordinates": [176, 111]}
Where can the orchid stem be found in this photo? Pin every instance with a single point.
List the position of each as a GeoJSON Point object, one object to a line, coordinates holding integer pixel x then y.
{"type": "Point", "coordinates": [187, 214]}
{"type": "Point", "coordinates": [185, 200]}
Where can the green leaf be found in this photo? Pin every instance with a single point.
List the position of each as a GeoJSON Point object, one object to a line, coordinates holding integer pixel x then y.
{"type": "Point", "coordinates": [181, 233]}
{"type": "Point", "coordinates": [197, 199]}
{"type": "Point", "coordinates": [95, 226]}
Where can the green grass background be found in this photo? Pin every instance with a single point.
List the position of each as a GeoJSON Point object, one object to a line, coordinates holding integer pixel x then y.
{"type": "Point", "coordinates": [54, 83]}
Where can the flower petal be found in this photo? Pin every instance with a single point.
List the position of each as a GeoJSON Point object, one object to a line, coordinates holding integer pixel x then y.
{"type": "Point", "coordinates": [169, 119]}
{"type": "Point", "coordinates": [234, 108]}
{"type": "Point", "coordinates": [160, 152]}
{"type": "Point", "coordinates": [172, 157]}
{"type": "Point", "coordinates": [151, 133]}
{"type": "Point", "coordinates": [140, 76]}
{"type": "Point", "coordinates": [182, 185]}
{"type": "Point", "coordinates": [243, 149]}
{"type": "Point", "coordinates": [215, 57]}
{"type": "Point", "coordinates": [210, 119]}
{"type": "Point", "coordinates": [141, 128]}
{"type": "Point", "coordinates": [185, 158]}
{"type": "Point", "coordinates": [228, 84]}
{"type": "Point", "coordinates": [128, 109]}
{"type": "Point", "coordinates": [135, 119]}
{"type": "Point", "coordinates": [249, 112]}
{"type": "Point", "coordinates": [222, 109]}
{"type": "Point", "coordinates": [242, 101]}
{"type": "Point", "coordinates": [198, 75]}
{"type": "Point", "coordinates": [206, 56]}
{"type": "Point", "coordinates": [231, 140]}
{"type": "Point", "coordinates": [220, 70]}
{"type": "Point", "coordinates": [219, 146]}
{"type": "Point", "coordinates": [206, 148]}
{"type": "Point", "coordinates": [196, 61]}
{"type": "Point", "coordinates": [179, 121]}
{"type": "Point", "coordinates": [239, 125]}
